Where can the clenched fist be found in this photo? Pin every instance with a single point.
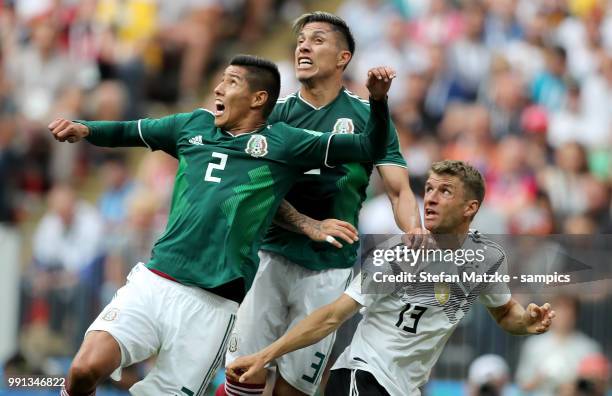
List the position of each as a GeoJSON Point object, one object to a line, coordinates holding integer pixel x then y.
{"type": "Point", "coordinates": [64, 130]}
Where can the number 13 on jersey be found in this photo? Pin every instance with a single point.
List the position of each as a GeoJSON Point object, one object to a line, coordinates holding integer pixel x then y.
{"type": "Point", "coordinates": [212, 166]}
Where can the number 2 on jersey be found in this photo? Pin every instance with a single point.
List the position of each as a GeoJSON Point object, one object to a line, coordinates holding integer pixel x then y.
{"type": "Point", "coordinates": [416, 314]}
{"type": "Point", "coordinates": [212, 166]}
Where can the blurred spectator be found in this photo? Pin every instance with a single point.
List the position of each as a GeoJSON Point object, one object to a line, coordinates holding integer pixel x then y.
{"type": "Point", "coordinates": [443, 87]}
{"type": "Point", "coordinates": [367, 20]}
{"type": "Point", "coordinates": [397, 53]}
{"type": "Point", "coordinates": [441, 25]}
{"type": "Point", "coordinates": [131, 243]}
{"type": "Point", "coordinates": [118, 187]}
{"type": "Point", "coordinates": [596, 103]}
{"type": "Point", "coordinates": [504, 97]}
{"type": "Point", "coordinates": [565, 183]}
{"type": "Point", "coordinates": [548, 88]}
{"type": "Point", "coordinates": [191, 28]}
{"type": "Point", "coordinates": [536, 218]}
{"type": "Point", "coordinates": [502, 25]}
{"type": "Point", "coordinates": [66, 248]}
{"type": "Point", "coordinates": [526, 54]}
{"type": "Point", "coordinates": [466, 131]}
{"type": "Point", "coordinates": [42, 76]}
{"type": "Point", "coordinates": [593, 377]}
{"type": "Point", "coordinates": [489, 375]}
{"type": "Point", "coordinates": [550, 361]}
{"type": "Point", "coordinates": [410, 115]}
{"type": "Point", "coordinates": [11, 165]}
{"type": "Point", "coordinates": [582, 38]}
{"type": "Point", "coordinates": [511, 184]}
{"type": "Point", "coordinates": [567, 124]}
{"type": "Point", "coordinates": [469, 57]}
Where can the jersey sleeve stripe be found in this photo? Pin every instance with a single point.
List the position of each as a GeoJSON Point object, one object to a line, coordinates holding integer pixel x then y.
{"type": "Point", "coordinates": [327, 151]}
{"type": "Point", "coordinates": [391, 164]}
{"type": "Point", "coordinates": [142, 137]}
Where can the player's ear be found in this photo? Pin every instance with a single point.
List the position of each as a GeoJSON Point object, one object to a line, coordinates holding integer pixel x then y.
{"type": "Point", "coordinates": [259, 99]}
{"type": "Point", "coordinates": [344, 57]}
{"type": "Point", "coordinates": [471, 208]}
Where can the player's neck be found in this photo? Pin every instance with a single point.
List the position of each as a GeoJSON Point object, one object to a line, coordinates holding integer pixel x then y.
{"type": "Point", "coordinates": [320, 93]}
{"type": "Point", "coordinates": [247, 126]}
{"type": "Point", "coordinates": [452, 239]}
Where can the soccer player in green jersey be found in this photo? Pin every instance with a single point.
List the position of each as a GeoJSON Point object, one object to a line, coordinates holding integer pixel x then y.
{"type": "Point", "coordinates": [234, 170]}
{"type": "Point", "coordinates": [297, 275]}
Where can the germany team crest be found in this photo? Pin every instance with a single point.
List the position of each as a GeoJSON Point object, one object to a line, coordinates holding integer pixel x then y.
{"type": "Point", "coordinates": [344, 125]}
{"type": "Point", "coordinates": [442, 292]}
{"type": "Point", "coordinates": [257, 146]}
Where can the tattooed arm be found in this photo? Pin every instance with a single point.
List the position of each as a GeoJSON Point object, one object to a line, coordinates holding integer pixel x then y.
{"type": "Point", "coordinates": [290, 219]}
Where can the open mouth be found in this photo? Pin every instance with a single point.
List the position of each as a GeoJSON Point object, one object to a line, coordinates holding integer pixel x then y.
{"type": "Point", "coordinates": [430, 213]}
{"type": "Point", "coordinates": [219, 108]}
{"type": "Point", "coordinates": [304, 63]}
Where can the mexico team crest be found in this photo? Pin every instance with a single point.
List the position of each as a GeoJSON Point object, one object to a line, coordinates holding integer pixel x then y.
{"type": "Point", "coordinates": [257, 146]}
{"type": "Point", "coordinates": [442, 292]}
{"type": "Point", "coordinates": [344, 125]}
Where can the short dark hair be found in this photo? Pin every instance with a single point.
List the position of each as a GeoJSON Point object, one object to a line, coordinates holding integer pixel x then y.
{"type": "Point", "coordinates": [470, 177]}
{"type": "Point", "coordinates": [262, 75]}
{"type": "Point", "coordinates": [338, 24]}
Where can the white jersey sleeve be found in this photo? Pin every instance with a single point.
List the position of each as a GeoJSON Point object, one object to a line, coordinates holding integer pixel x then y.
{"type": "Point", "coordinates": [355, 292]}
{"type": "Point", "coordinates": [496, 294]}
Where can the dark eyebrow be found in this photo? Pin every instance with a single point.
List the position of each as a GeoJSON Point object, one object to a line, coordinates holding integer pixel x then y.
{"type": "Point", "coordinates": [320, 32]}
{"type": "Point", "coordinates": [316, 32]}
{"type": "Point", "coordinates": [234, 75]}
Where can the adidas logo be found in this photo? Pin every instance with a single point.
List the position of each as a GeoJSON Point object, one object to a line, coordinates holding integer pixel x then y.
{"type": "Point", "coordinates": [197, 140]}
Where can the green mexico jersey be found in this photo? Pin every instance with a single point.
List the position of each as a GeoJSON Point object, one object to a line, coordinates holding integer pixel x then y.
{"type": "Point", "coordinates": [323, 193]}
{"type": "Point", "coordinates": [227, 188]}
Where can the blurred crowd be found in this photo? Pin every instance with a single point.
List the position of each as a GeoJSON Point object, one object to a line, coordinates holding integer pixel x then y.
{"type": "Point", "coordinates": [522, 89]}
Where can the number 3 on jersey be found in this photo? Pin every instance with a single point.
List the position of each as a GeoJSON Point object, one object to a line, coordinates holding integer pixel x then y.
{"type": "Point", "coordinates": [212, 166]}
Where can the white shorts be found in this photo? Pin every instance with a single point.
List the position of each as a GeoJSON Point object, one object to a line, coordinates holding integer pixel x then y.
{"type": "Point", "coordinates": [186, 327]}
{"type": "Point", "coordinates": [282, 294]}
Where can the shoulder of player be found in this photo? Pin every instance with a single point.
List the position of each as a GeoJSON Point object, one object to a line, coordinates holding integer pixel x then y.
{"type": "Point", "coordinates": [494, 250]}
{"type": "Point", "coordinates": [285, 101]}
{"type": "Point", "coordinates": [202, 112]}
{"type": "Point", "coordinates": [287, 98]}
{"type": "Point", "coordinates": [360, 102]}
{"type": "Point", "coordinates": [198, 115]}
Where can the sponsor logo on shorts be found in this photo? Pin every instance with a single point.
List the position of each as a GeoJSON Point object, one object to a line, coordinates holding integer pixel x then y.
{"type": "Point", "coordinates": [233, 343]}
{"type": "Point", "coordinates": [110, 315]}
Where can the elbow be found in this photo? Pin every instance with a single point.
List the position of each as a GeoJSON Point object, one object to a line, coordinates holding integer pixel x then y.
{"type": "Point", "coordinates": [332, 322]}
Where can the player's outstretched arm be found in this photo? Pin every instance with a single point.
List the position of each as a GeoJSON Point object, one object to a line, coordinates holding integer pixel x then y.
{"type": "Point", "coordinates": [515, 319]}
{"type": "Point", "coordinates": [405, 208]}
{"type": "Point", "coordinates": [321, 231]}
{"type": "Point", "coordinates": [100, 133]}
{"type": "Point", "coordinates": [310, 330]}
{"type": "Point", "coordinates": [372, 144]}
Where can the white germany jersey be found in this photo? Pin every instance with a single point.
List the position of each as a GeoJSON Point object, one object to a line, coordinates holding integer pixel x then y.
{"type": "Point", "coordinates": [402, 334]}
